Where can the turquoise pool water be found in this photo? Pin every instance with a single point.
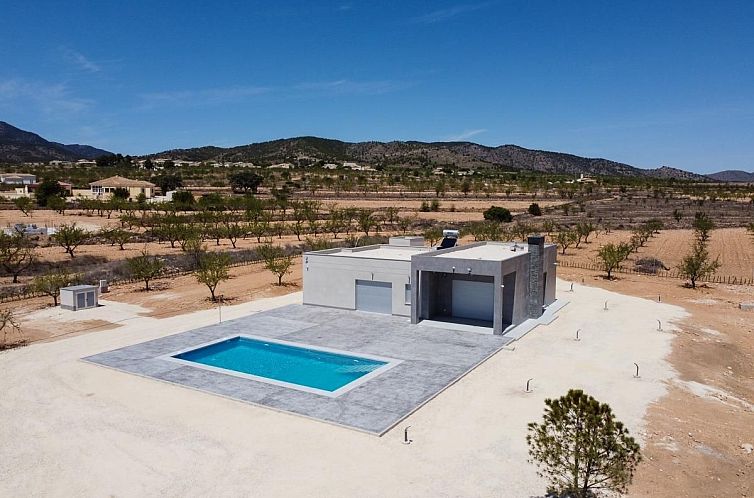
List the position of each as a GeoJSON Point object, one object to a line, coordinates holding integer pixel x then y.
{"type": "Point", "coordinates": [302, 366]}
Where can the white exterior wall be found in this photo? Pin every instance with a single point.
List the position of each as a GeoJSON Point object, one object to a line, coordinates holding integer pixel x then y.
{"type": "Point", "coordinates": [68, 299]}
{"type": "Point", "coordinates": [330, 280]}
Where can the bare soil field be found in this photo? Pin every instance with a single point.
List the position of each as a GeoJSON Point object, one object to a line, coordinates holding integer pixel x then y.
{"type": "Point", "coordinates": [461, 205]}
{"type": "Point", "coordinates": [699, 436]}
{"type": "Point", "coordinates": [696, 436]}
{"type": "Point", "coordinates": [734, 246]}
{"type": "Point", "coordinates": [49, 218]}
{"type": "Point", "coordinates": [168, 297]}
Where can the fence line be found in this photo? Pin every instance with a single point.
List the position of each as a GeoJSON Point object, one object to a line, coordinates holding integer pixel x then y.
{"type": "Point", "coordinates": [713, 279]}
{"type": "Point", "coordinates": [26, 293]}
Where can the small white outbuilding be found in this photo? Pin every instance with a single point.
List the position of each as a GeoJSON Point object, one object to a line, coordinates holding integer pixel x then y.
{"type": "Point", "coordinates": [79, 297]}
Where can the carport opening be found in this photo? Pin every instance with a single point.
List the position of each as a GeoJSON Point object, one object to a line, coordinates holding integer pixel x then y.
{"type": "Point", "coordinates": [463, 299]}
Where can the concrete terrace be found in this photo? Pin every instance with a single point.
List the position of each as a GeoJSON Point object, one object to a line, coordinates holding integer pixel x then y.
{"type": "Point", "coordinates": [432, 359]}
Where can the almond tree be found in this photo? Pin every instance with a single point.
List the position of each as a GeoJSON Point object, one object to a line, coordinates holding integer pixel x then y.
{"type": "Point", "coordinates": [51, 283]}
{"type": "Point", "coordinates": [69, 237]}
{"type": "Point", "coordinates": [697, 264]}
{"type": "Point", "coordinates": [213, 269]}
{"type": "Point", "coordinates": [17, 254]}
{"type": "Point", "coordinates": [145, 267]}
{"type": "Point", "coordinates": [612, 255]}
{"type": "Point", "coordinates": [276, 260]}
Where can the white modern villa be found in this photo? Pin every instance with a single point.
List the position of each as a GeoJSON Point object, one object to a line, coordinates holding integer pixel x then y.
{"type": "Point", "coordinates": [485, 284]}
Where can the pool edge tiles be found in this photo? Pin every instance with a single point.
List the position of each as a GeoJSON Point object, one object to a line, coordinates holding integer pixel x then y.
{"type": "Point", "coordinates": [387, 364]}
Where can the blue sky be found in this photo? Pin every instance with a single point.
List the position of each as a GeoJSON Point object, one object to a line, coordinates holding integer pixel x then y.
{"type": "Point", "coordinates": [646, 83]}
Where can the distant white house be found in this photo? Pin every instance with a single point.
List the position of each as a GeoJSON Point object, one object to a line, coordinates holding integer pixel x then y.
{"type": "Point", "coordinates": [106, 187]}
{"type": "Point", "coordinates": [17, 178]}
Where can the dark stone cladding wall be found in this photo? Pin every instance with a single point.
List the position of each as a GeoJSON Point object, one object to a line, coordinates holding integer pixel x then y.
{"type": "Point", "coordinates": [534, 296]}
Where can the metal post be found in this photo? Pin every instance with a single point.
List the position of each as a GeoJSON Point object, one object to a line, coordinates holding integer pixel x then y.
{"type": "Point", "coordinates": [406, 440]}
{"type": "Point", "coordinates": [636, 375]}
{"type": "Point", "coordinates": [577, 334]}
{"type": "Point", "coordinates": [527, 385]}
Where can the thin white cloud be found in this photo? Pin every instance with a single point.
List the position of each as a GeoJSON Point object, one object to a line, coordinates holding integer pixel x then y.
{"type": "Point", "coordinates": [448, 13]}
{"type": "Point", "coordinates": [240, 94]}
{"type": "Point", "coordinates": [193, 98]}
{"type": "Point", "coordinates": [350, 87]}
{"type": "Point", "coordinates": [80, 60]}
{"type": "Point", "coordinates": [466, 135]}
{"type": "Point", "coordinates": [40, 96]}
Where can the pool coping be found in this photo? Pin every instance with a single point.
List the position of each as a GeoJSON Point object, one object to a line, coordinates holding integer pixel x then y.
{"type": "Point", "coordinates": [388, 364]}
{"type": "Point", "coordinates": [423, 362]}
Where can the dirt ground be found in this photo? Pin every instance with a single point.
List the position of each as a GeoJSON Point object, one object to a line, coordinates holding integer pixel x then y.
{"type": "Point", "coordinates": [698, 436]}
{"type": "Point", "coordinates": [734, 246]}
{"type": "Point", "coordinates": [168, 297]}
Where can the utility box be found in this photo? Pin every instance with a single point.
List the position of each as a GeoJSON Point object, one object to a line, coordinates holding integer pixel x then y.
{"type": "Point", "coordinates": [79, 297]}
{"type": "Point", "coordinates": [103, 287]}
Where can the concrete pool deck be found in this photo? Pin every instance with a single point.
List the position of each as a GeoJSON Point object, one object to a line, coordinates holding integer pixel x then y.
{"type": "Point", "coordinates": [431, 360]}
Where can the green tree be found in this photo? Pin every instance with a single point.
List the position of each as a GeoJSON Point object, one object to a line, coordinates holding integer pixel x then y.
{"type": "Point", "coordinates": [366, 220]}
{"type": "Point", "coordinates": [48, 190]}
{"type": "Point", "coordinates": [702, 225]}
{"type": "Point", "coordinates": [69, 237]}
{"type": "Point", "coordinates": [17, 254]}
{"type": "Point", "coordinates": [244, 181]}
{"type": "Point", "coordinates": [697, 264]}
{"type": "Point", "coordinates": [9, 327]}
{"type": "Point", "coordinates": [612, 255]}
{"type": "Point", "coordinates": [432, 235]}
{"type": "Point", "coordinates": [498, 214]}
{"type": "Point", "coordinates": [534, 209]}
{"type": "Point", "coordinates": [168, 182]}
{"type": "Point", "coordinates": [580, 448]}
{"type": "Point", "coordinates": [51, 283]}
{"type": "Point", "coordinates": [117, 236]}
{"type": "Point", "coordinates": [145, 267]}
{"type": "Point", "coordinates": [276, 260]}
{"type": "Point", "coordinates": [121, 193]}
{"type": "Point", "coordinates": [24, 204]}
{"type": "Point", "coordinates": [57, 203]}
{"type": "Point", "coordinates": [565, 238]}
{"type": "Point", "coordinates": [213, 269]}
{"type": "Point", "coordinates": [183, 199]}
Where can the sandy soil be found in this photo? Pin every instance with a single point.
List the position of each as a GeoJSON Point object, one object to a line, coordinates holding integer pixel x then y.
{"type": "Point", "coordinates": [461, 205]}
{"type": "Point", "coordinates": [697, 436]}
{"type": "Point", "coordinates": [47, 218]}
{"type": "Point", "coordinates": [97, 431]}
{"type": "Point", "coordinates": [734, 246]}
{"type": "Point", "coordinates": [168, 297]}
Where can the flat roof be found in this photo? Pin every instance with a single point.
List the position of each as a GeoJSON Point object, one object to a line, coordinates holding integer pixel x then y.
{"type": "Point", "coordinates": [383, 251]}
{"type": "Point", "coordinates": [489, 251]}
{"type": "Point", "coordinates": [79, 287]}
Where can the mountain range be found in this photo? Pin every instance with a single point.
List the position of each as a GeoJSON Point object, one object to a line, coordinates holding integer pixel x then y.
{"type": "Point", "coordinates": [18, 146]}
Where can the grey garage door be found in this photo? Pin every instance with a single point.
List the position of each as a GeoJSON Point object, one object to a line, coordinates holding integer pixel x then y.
{"type": "Point", "coordinates": [376, 297]}
{"type": "Point", "coordinates": [473, 300]}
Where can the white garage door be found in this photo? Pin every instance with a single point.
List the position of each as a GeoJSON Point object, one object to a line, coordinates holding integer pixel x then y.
{"type": "Point", "coordinates": [473, 300]}
{"type": "Point", "coordinates": [376, 297]}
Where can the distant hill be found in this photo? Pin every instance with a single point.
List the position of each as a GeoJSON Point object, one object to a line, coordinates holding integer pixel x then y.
{"type": "Point", "coordinates": [733, 175]}
{"type": "Point", "coordinates": [17, 146]}
{"type": "Point", "coordinates": [458, 154]}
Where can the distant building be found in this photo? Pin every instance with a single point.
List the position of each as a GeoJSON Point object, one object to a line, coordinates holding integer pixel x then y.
{"type": "Point", "coordinates": [106, 187]}
{"type": "Point", "coordinates": [17, 178]}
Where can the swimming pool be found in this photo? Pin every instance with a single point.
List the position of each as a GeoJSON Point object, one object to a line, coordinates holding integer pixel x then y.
{"type": "Point", "coordinates": [294, 365]}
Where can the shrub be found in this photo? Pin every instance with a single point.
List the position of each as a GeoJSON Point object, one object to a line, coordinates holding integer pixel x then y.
{"type": "Point", "coordinates": [535, 210]}
{"type": "Point", "coordinates": [499, 214]}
